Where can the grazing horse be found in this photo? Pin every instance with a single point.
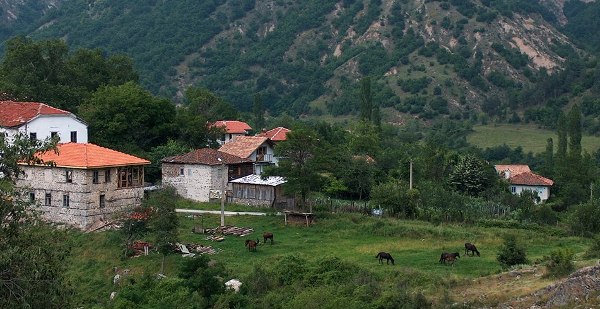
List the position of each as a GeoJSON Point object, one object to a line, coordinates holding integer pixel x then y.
{"type": "Point", "coordinates": [471, 247]}
{"type": "Point", "coordinates": [449, 257]}
{"type": "Point", "coordinates": [384, 255]}
{"type": "Point", "coordinates": [266, 236]}
{"type": "Point", "coordinates": [251, 244]}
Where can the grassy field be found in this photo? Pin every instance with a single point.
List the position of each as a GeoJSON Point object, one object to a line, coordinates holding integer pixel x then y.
{"type": "Point", "coordinates": [529, 137]}
{"type": "Point", "coordinates": [416, 247]}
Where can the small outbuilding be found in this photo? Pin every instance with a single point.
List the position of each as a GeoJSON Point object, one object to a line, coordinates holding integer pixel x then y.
{"type": "Point", "coordinates": [257, 191]}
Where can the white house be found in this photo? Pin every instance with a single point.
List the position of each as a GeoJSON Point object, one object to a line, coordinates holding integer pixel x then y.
{"type": "Point", "coordinates": [231, 129]}
{"type": "Point", "coordinates": [522, 179]}
{"type": "Point", "coordinates": [40, 121]}
{"type": "Point", "coordinates": [86, 183]}
{"type": "Point", "coordinates": [203, 174]}
{"type": "Point", "coordinates": [258, 149]}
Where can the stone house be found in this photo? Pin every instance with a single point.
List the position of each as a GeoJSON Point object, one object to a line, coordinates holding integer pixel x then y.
{"type": "Point", "coordinates": [231, 129]}
{"type": "Point", "coordinates": [255, 191]}
{"type": "Point", "coordinates": [201, 175]}
{"type": "Point", "coordinates": [40, 121]}
{"type": "Point", "coordinates": [85, 184]}
{"type": "Point", "coordinates": [258, 149]}
{"type": "Point", "coordinates": [520, 178]}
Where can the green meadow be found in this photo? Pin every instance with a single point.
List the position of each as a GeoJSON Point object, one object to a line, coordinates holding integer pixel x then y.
{"type": "Point", "coordinates": [529, 137]}
{"type": "Point", "coordinates": [355, 239]}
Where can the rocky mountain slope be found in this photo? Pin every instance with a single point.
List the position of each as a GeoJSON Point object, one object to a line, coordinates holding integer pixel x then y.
{"type": "Point", "coordinates": [428, 59]}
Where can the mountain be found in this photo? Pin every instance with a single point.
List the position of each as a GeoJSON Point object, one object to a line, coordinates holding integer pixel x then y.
{"type": "Point", "coordinates": [451, 58]}
{"type": "Point", "coordinates": [17, 15]}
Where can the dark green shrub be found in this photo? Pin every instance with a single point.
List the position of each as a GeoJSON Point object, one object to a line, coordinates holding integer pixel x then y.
{"type": "Point", "coordinates": [594, 250]}
{"type": "Point", "coordinates": [560, 263]}
{"type": "Point", "coordinates": [585, 219]}
{"type": "Point", "coordinates": [511, 253]}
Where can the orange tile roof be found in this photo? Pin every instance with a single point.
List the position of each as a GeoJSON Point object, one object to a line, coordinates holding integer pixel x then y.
{"type": "Point", "coordinates": [233, 126]}
{"type": "Point", "coordinates": [206, 156]}
{"type": "Point", "coordinates": [78, 155]}
{"type": "Point", "coordinates": [243, 146]}
{"type": "Point", "coordinates": [514, 169]}
{"type": "Point", "coordinates": [530, 179]}
{"type": "Point", "coordinates": [278, 134]}
{"type": "Point", "coordinates": [17, 113]}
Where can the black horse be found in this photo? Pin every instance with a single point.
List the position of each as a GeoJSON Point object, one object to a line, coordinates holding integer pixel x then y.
{"type": "Point", "coordinates": [449, 257]}
{"type": "Point", "coordinates": [384, 255]}
{"type": "Point", "coordinates": [471, 247]}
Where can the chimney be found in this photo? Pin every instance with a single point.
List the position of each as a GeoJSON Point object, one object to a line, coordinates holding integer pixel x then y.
{"type": "Point", "coordinates": [507, 174]}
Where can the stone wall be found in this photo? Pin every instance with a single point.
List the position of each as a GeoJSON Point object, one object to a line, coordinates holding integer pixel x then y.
{"type": "Point", "coordinates": [84, 195]}
{"type": "Point", "coordinates": [196, 181]}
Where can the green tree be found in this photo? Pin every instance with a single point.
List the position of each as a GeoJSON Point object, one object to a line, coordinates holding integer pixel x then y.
{"type": "Point", "coordinates": [574, 133]}
{"type": "Point", "coordinates": [128, 118]}
{"type": "Point", "coordinates": [164, 222]}
{"type": "Point", "coordinates": [200, 101]}
{"type": "Point", "coordinates": [32, 254]}
{"type": "Point", "coordinates": [366, 99]}
{"type": "Point", "coordinates": [396, 197]}
{"type": "Point", "coordinates": [153, 171]}
{"type": "Point", "coordinates": [561, 130]}
{"type": "Point", "coordinates": [259, 112]}
{"type": "Point", "coordinates": [45, 71]}
{"type": "Point", "coordinates": [511, 253]}
{"type": "Point", "coordinates": [547, 168]}
{"type": "Point", "coordinates": [364, 139]}
{"type": "Point", "coordinates": [299, 164]}
{"type": "Point", "coordinates": [471, 175]}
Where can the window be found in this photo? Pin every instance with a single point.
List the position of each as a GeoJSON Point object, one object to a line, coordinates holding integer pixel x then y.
{"type": "Point", "coordinates": [33, 136]}
{"type": "Point", "coordinates": [32, 197]}
{"type": "Point", "coordinates": [69, 176]}
{"type": "Point", "coordinates": [513, 189]}
{"type": "Point", "coordinates": [73, 136]}
{"type": "Point", "coordinates": [102, 201]}
{"type": "Point", "coordinates": [181, 171]}
{"type": "Point", "coordinates": [66, 200]}
{"type": "Point", "coordinates": [95, 177]}
{"type": "Point", "coordinates": [107, 175]}
{"type": "Point", "coordinates": [130, 176]}
{"type": "Point", "coordinates": [48, 199]}
{"type": "Point", "coordinates": [54, 135]}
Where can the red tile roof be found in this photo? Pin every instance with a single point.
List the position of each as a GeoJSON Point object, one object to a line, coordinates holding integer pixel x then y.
{"type": "Point", "coordinates": [78, 155]}
{"type": "Point", "coordinates": [205, 156]}
{"type": "Point", "coordinates": [514, 169]}
{"type": "Point", "coordinates": [243, 146]}
{"type": "Point", "coordinates": [530, 179]}
{"type": "Point", "coordinates": [17, 113]}
{"type": "Point", "coordinates": [277, 134]}
{"type": "Point", "coordinates": [233, 126]}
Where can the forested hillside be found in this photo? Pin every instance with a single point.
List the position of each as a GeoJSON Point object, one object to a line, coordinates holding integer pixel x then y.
{"type": "Point", "coordinates": [512, 61]}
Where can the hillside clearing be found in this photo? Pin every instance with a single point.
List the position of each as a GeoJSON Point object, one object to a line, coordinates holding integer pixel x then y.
{"type": "Point", "coordinates": [353, 238]}
{"type": "Point", "coordinates": [529, 137]}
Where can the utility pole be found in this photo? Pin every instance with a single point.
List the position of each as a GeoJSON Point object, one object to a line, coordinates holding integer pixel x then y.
{"type": "Point", "coordinates": [224, 174]}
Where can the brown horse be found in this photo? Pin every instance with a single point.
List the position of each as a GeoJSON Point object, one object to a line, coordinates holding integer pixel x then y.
{"type": "Point", "coordinates": [449, 257]}
{"type": "Point", "coordinates": [384, 255]}
{"type": "Point", "coordinates": [266, 236]}
{"type": "Point", "coordinates": [251, 244]}
{"type": "Point", "coordinates": [471, 247]}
